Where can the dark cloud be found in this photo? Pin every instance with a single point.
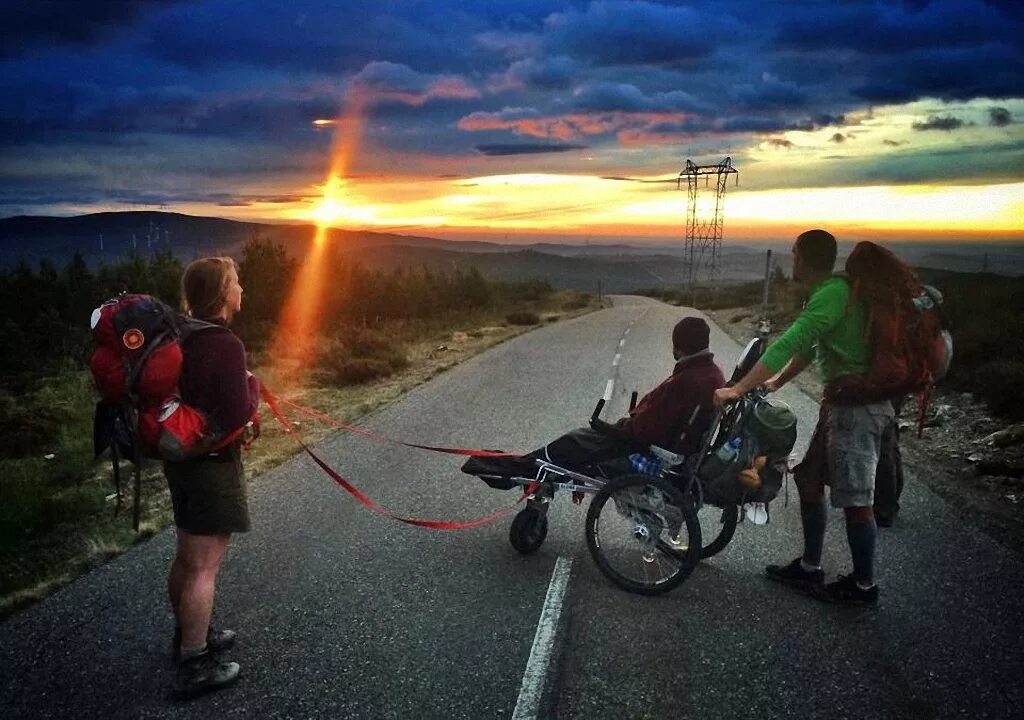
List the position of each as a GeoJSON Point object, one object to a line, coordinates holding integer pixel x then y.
{"type": "Point", "coordinates": [950, 49]}
{"type": "Point", "coordinates": [999, 116]}
{"type": "Point", "coordinates": [525, 149]}
{"type": "Point", "coordinates": [25, 25]}
{"type": "Point", "coordinates": [886, 29]}
{"type": "Point", "coordinates": [947, 123]}
{"type": "Point", "coordinates": [779, 142]}
{"type": "Point", "coordinates": [611, 32]}
{"type": "Point", "coordinates": [894, 143]}
{"type": "Point", "coordinates": [544, 73]}
{"type": "Point", "coordinates": [770, 93]}
{"type": "Point", "coordinates": [838, 138]}
{"type": "Point", "coordinates": [393, 81]}
{"type": "Point", "coordinates": [950, 74]}
{"type": "Point", "coordinates": [825, 120]}
{"type": "Point", "coordinates": [626, 97]}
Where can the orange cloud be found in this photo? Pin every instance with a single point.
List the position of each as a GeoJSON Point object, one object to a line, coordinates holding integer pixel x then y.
{"type": "Point", "coordinates": [569, 126]}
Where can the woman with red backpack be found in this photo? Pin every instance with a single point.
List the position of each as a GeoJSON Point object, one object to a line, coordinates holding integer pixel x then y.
{"type": "Point", "coordinates": [208, 492]}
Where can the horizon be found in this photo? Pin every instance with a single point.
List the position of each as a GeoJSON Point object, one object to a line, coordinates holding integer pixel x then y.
{"type": "Point", "coordinates": [548, 118]}
{"type": "Point", "coordinates": [526, 240]}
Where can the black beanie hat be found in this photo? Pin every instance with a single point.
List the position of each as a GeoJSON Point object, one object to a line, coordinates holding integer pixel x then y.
{"type": "Point", "coordinates": [690, 335]}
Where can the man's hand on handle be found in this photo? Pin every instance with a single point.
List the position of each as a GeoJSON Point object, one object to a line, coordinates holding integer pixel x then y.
{"type": "Point", "coordinates": [726, 395]}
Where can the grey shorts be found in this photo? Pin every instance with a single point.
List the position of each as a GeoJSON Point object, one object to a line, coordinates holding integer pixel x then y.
{"type": "Point", "coordinates": [854, 445]}
{"type": "Point", "coordinates": [208, 494]}
{"type": "Point", "coordinates": [844, 453]}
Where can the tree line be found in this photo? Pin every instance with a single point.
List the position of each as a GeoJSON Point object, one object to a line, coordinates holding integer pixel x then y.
{"type": "Point", "coordinates": [45, 310]}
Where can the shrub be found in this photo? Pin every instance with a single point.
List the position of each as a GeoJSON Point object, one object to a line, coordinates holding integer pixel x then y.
{"type": "Point", "coordinates": [362, 355]}
{"type": "Point", "coordinates": [368, 343]}
{"type": "Point", "coordinates": [522, 318]}
{"type": "Point", "coordinates": [354, 371]}
{"type": "Point", "coordinates": [28, 429]}
{"type": "Point", "coordinates": [577, 301]}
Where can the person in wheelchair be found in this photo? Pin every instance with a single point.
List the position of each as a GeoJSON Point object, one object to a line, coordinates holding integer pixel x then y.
{"type": "Point", "coordinates": [674, 416]}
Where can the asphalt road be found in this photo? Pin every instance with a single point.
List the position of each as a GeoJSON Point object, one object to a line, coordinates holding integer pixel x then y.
{"type": "Point", "coordinates": [345, 614]}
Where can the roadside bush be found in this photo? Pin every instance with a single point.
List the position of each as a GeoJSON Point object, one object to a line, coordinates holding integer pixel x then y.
{"type": "Point", "coordinates": [27, 430]}
{"type": "Point", "coordinates": [360, 355]}
{"type": "Point", "coordinates": [577, 301]}
{"type": "Point", "coordinates": [522, 318]}
{"type": "Point", "coordinates": [354, 371]}
{"type": "Point", "coordinates": [368, 343]}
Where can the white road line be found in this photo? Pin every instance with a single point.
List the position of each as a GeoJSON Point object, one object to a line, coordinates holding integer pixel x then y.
{"type": "Point", "coordinates": [608, 389]}
{"type": "Point", "coordinates": [617, 359]}
{"type": "Point", "coordinates": [627, 331]}
{"type": "Point", "coordinates": [530, 691]}
{"type": "Point", "coordinates": [622, 342]}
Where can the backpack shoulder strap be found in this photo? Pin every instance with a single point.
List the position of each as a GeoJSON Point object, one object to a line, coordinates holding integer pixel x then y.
{"type": "Point", "coordinates": [189, 325]}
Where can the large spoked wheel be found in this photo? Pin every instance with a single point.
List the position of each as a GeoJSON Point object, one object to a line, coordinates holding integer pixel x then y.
{"type": "Point", "coordinates": [717, 525]}
{"type": "Point", "coordinates": [643, 534]}
{"type": "Point", "coordinates": [529, 528]}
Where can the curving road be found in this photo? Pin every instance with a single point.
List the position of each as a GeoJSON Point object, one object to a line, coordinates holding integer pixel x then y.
{"type": "Point", "coordinates": [344, 614]}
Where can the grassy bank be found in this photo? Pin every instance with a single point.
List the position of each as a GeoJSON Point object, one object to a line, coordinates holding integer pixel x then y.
{"type": "Point", "coordinates": [57, 505]}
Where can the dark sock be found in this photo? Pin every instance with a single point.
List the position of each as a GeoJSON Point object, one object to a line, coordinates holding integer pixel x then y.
{"type": "Point", "coordinates": [862, 536]}
{"type": "Point", "coordinates": [814, 516]}
{"type": "Point", "coordinates": [189, 653]}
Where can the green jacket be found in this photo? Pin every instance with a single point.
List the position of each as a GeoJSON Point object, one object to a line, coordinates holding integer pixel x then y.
{"type": "Point", "coordinates": [838, 334]}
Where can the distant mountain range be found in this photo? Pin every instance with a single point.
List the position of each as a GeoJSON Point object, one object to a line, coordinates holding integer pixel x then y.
{"type": "Point", "coordinates": [621, 267]}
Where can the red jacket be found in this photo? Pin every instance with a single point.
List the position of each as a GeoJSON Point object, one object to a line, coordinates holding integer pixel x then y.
{"type": "Point", "coordinates": [661, 416]}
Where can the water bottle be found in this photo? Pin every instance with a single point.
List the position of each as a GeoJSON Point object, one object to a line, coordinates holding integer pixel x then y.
{"type": "Point", "coordinates": [645, 464]}
{"type": "Point", "coordinates": [729, 450]}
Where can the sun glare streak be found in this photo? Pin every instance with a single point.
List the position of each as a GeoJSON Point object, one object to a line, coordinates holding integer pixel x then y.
{"type": "Point", "coordinates": [301, 315]}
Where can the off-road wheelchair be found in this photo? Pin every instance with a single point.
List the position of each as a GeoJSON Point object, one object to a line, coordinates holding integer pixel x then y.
{"type": "Point", "coordinates": [650, 522]}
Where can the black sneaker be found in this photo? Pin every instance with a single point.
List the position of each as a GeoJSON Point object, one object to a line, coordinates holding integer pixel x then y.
{"type": "Point", "coordinates": [216, 640]}
{"type": "Point", "coordinates": [845, 591]}
{"type": "Point", "coordinates": [202, 674]}
{"type": "Point", "coordinates": [794, 575]}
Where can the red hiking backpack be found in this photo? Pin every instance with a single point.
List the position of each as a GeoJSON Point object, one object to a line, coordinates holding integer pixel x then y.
{"type": "Point", "coordinates": [911, 349]}
{"type": "Point", "coordinates": [136, 367]}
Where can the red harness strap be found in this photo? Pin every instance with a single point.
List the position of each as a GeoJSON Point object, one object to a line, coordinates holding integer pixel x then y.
{"type": "Point", "coordinates": [328, 420]}
{"type": "Point", "coordinates": [366, 501]}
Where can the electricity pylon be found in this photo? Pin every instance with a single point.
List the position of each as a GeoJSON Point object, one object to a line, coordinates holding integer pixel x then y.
{"type": "Point", "coordinates": [703, 247]}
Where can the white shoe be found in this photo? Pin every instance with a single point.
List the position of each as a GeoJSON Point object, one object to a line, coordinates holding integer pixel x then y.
{"type": "Point", "coordinates": [757, 513]}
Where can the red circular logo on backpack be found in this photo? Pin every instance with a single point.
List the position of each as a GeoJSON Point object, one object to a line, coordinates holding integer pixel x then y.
{"type": "Point", "coordinates": [133, 339]}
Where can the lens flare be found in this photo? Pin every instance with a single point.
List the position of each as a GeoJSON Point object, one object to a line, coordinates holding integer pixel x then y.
{"type": "Point", "coordinates": [295, 342]}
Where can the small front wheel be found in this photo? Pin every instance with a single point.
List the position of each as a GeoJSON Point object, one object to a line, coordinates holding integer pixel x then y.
{"type": "Point", "coordinates": [529, 528]}
{"type": "Point", "coordinates": [643, 534]}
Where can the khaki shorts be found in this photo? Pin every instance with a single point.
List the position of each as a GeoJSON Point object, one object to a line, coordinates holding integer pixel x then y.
{"type": "Point", "coordinates": [844, 453]}
{"type": "Point", "coordinates": [208, 493]}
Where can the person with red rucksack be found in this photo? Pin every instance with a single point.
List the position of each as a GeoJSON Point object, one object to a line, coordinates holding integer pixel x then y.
{"type": "Point", "coordinates": [208, 491]}
{"type": "Point", "coordinates": [844, 450]}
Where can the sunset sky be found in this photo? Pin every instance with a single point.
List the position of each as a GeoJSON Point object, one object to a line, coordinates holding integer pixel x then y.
{"type": "Point", "coordinates": [518, 119]}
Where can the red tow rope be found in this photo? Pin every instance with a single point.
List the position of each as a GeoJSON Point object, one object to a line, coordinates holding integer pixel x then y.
{"type": "Point", "coordinates": [359, 495]}
{"type": "Point", "coordinates": [328, 420]}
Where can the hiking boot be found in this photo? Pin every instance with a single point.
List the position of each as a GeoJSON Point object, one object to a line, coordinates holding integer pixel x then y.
{"type": "Point", "coordinates": [794, 575]}
{"type": "Point", "coordinates": [216, 640]}
{"type": "Point", "coordinates": [845, 591]}
{"type": "Point", "coordinates": [202, 674]}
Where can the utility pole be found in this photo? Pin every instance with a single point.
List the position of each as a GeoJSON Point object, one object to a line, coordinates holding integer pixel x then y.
{"type": "Point", "coordinates": [764, 326]}
{"type": "Point", "coordinates": [704, 225]}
